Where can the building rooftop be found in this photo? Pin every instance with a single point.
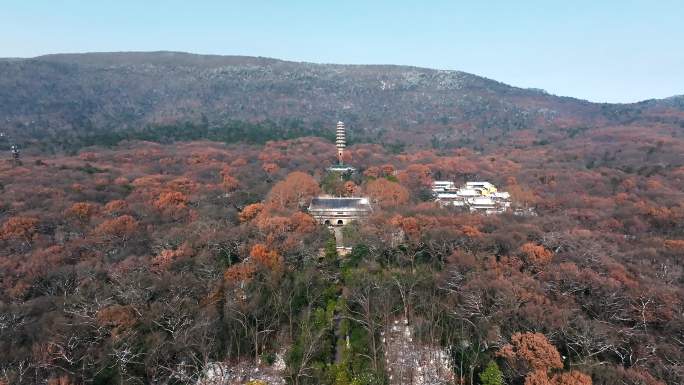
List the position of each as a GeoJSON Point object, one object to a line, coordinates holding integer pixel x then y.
{"type": "Point", "coordinates": [341, 168]}
{"type": "Point", "coordinates": [339, 204]}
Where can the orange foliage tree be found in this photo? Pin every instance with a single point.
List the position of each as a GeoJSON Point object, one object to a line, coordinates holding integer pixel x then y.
{"type": "Point", "coordinates": [119, 228]}
{"type": "Point", "coordinates": [239, 272]}
{"type": "Point", "coordinates": [171, 203]}
{"type": "Point", "coordinates": [168, 256]}
{"type": "Point", "coordinates": [118, 317]}
{"type": "Point", "coordinates": [115, 206]}
{"type": "Point", "coordinates": [537, 377]}
{"type": "Point", "coordinates": [268, 258]}
{"type": "Point", "coordinates": [572, 377]}
{"type": "Point", "coordinates": [675, 244]}
{"type": "Point", "coordinates": [182, 184]}
{"type": "Point", "coordinates": [521, 195]}
{"type": "Point", "coordinates": [535, 255]}
{"type": "Point", "coordinates": [302, 223]}
{"type": "Point", "coordinates": [229, 182]}
{"type": "Point", "coordinates": [23, 228]}
{"type": "Point", "coordinates": [372, 172]}
{"type": "Point", "coordinates": [387, 193]}
{"type": "Point", "coordinates": [387, 169]}
{"type": "Point", "coordinates": [81, 211]}
{"type": "Point", "coordinates": [294, 190]}
{"type": "Point", "coordinates": [534, 352]}
{"type": "Point", "coordinates": [250, 211]}
{"type": "Point", "coordinates": [416, 176]}
{"type": "Point", "coordinates": [408, 225]}
{"type": "Point", "coordinates": [350, 188]}
{"type": "Point", "coordinates": [471, 231]}
{"type": "Point", "coordinates": [270, 168]}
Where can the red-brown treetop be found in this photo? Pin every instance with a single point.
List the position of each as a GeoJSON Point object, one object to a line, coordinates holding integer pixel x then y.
{"type": "Point", "coordinates": [387, 193]}
{"type": "Point", "coordinates": [293, 191]}
{"type": "Point", "coordinates": [534, 349]}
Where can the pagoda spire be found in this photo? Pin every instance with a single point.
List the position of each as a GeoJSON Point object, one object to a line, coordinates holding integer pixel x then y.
{"type": "Point", "coordinates": [340, 142]}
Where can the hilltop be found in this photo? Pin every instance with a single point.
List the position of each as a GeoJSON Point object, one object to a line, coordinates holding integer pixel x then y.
{"type": "Point", "coordinates": [85, 94]}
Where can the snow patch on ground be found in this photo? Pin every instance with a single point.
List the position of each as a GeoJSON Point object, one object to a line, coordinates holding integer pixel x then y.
{"type": "Point", "coordinates": [409, 362]}
{"type": "Point", "coordinates": [223, 373]}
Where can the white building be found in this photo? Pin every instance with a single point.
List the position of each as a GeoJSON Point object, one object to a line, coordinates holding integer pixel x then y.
{"type": "Point", "coordinates": [485, 188]}
{"type": "Point", "coordinates": [473, 196]}
{"type": "Point", "coordinates": [443, 186]}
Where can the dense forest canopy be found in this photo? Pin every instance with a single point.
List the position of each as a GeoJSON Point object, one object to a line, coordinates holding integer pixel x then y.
{"type": "Point", "coordinates": [173, 249]}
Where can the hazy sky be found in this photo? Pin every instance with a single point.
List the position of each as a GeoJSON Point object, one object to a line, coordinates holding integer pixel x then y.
{"type": "Point", "coordinates": [601, 50]}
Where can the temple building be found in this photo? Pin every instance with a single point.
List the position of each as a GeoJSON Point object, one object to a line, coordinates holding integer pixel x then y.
{"type": "Point", "coordinates": [339, 211]}
{"type": "Point", "coordinates": [473, 196]}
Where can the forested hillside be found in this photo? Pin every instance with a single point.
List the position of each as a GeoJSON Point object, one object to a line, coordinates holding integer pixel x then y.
{"type": "Point", "coordinates": [65, 98]}
{"type": "Point", "coordinates": [154, 229]}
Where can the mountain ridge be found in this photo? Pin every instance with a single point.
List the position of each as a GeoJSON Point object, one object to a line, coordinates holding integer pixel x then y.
{"type": "Point", "coordinates": [234, 59]}
{"type": "Point", "coordinates": [112, 91]}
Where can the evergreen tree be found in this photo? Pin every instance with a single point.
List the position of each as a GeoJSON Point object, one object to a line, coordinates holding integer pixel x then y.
{"type": "Point", "coordinates": [491, 375]}
{"type": "Point", "coordinates": [331, 250]}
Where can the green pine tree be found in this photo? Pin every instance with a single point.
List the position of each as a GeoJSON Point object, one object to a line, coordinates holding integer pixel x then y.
{"type": "Point", "coordinates": [491, 375]}
{"type": "Point", "coordinates": [331, 250]}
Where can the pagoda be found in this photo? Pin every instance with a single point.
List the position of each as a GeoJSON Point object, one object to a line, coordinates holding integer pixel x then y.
{"type": "Point", "coordinates": [341, 144]}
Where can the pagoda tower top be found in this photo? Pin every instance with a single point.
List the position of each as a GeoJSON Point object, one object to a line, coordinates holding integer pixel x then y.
{"type": "Point", "coordinates": [340, 142]}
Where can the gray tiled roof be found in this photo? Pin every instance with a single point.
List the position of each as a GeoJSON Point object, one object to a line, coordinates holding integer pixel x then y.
{"type": "Point", "coordinates": [341, 204]}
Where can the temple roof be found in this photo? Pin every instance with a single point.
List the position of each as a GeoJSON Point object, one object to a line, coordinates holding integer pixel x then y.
{"type": "Point", "coordinates": [339, 204]}
{"type": "Point", "coordinates": [341, 168]}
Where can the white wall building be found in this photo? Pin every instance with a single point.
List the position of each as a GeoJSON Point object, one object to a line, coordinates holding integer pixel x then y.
{"type": "Point", "coordinates": [339, 211]}
{"type": "Point", "coordinates": [474, 196]}
{"type": "Point", "coordinates": [443, 186]}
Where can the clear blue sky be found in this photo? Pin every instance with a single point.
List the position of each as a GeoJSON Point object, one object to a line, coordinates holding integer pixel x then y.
{"type": "Point", "coordinates": [600, 50]}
